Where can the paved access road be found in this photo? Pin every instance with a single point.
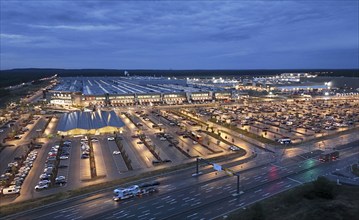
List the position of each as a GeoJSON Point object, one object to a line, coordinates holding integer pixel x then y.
{"type": "Point", "coordinates": [205, 196]}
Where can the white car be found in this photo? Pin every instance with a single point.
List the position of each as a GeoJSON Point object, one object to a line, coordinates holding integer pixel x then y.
{"type": "Point", "coordinates": [60, 178]}
{"type": "Point", "coordinates": [94, 139]}
{"type": "Point", "coordinates": [195, 142]}
{"type": "Point", "coordinates": [234, 148]}
{"type": "Point", "coordinates": [111, 138]}
{"type": "Point", "coordinates": [163, 139]}
{"type": "Point", "coordinates": [1, 131]}
{"type": "Point", "coordinates": [44, 186]}
{"type": "Point", "coordinates": [117, 152]}
{"type": "Point", "coordinates": [44, 182]}
{"type": "Point", "coordinates": [64, 157]}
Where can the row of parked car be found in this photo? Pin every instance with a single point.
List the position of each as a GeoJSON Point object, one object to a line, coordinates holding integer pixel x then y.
{"type": "Point", "coordinates": [48, 172]}
{"type": "Point", "coordinates": [21, 174]}
{"type": "Point", "coordinates": [85, 149]}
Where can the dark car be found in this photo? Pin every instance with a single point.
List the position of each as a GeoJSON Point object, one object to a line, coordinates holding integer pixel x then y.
{"type": "Point", "coordinates": [37, 146]}
{"type": "Point", "coordinates": [17, 158]}
{"type": "Point", "coordinates": [65, 153]}
{"type": "Point", "coordinates": [84, 156]}
{"type": "Point", "coordinates": [60, 182]}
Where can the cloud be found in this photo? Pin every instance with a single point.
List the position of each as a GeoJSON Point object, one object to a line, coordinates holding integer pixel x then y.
{"type": "Point", "coordinates": [80, 27]}
{"type": "Point", "coordinates": [199, 34]}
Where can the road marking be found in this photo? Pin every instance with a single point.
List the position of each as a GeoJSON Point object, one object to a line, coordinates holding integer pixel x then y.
{"type": "Point", "coordinates": [294, 180]}
{"type": "Point", "coordinates": [92, 205]}
{"type": "Point", "coordinates": [266, 194]}
{"type": "Point", "coordinates": [241, 204]}
{"type": "Point", "coordinates": [278, 166]}
{"type": "Point", "coordinates": [259, 190]}
{"type": "Point", "coordinates": [232, 200]}
{"type": "Point", "coordinates": [189, 216]}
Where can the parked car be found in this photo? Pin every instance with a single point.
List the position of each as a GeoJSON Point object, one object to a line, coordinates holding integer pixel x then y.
{"type": "Point", "coordinates": [64, 157]}
{"type": "Point", "coordinates": [67, 142]}
{"type": "Point", "coordinates": [60, 179]}
{"type": "Point", "coordinates": [84, 156]}
{"type": "Point", "coordinates": [42, 186]}
{"type": "Point", "coordinates": [117, 152]}
{"type": "Point", "coordinates": [94, 139]}
{"type": "Point", "coordinates": [111, 138]}
{"type": "Point", "coordinates": [10, 190]}
{"type": "Point", "coordinates": [234, 148]}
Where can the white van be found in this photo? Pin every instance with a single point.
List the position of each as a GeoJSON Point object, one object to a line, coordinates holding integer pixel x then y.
{"type": "Point", "coordinates": [10, 190]}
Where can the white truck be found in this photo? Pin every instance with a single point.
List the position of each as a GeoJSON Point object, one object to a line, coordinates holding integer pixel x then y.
{"type": "Point", "coordinates": [135, 190]}
{"type": "Point", "coordinates": [125, 193]}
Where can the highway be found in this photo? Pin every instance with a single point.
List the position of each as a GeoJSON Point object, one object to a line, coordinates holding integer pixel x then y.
{"type": "Point", "coordinates": [206, 196]}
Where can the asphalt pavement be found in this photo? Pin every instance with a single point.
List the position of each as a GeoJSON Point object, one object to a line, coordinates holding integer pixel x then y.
{"type": "Point", "coordinates": [206, 196]}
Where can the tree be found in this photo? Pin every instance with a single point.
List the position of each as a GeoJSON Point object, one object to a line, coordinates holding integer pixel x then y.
{"type": "Point", "coordinates": [257, 212]}
{"type": "Point", "coordinates": [323, 188]}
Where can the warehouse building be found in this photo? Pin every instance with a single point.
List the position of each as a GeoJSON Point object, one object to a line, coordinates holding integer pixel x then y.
{"type": "Point", "coordinates": [83, 123]}
{"type": "Point", "coordinates": [127, 91]}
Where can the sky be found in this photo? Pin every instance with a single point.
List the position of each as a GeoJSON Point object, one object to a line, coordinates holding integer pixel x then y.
{"type": "Point", "coordinates": [179, 34]}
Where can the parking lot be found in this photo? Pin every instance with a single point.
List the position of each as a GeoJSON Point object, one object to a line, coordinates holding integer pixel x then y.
{"type": "Point", "coordinates": [295, 120]}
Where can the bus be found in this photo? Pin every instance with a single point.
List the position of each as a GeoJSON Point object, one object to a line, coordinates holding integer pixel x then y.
{"type": "Point", "coordinates": [196, 136]}
{"type": "Point", "coordinates": [330, 156]}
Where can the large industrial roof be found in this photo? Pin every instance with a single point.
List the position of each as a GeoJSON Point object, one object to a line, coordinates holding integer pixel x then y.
{"type": "Point", "coordinates": [120, 85]}
{"type": "Point", "coordinates": [89, 120]}
{"type": "Point", "coordinates": [126, 85]}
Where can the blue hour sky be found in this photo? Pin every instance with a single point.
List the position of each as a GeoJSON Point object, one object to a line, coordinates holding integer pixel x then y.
{"type": "Point", "coordinates": [179, 34]}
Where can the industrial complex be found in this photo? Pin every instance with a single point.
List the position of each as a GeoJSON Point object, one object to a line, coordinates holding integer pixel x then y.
{"type": "Point", "coordinates": [127, 91]}
{"type": "Point", "coordinates": [122, 91]}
